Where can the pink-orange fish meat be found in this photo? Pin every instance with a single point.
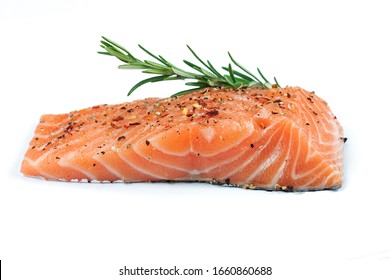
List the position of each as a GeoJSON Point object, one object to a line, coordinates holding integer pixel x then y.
{"type": "Point", "coordinates": [274, 139]}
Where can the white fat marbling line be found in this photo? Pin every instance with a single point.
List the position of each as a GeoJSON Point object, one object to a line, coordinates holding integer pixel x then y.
{"type": "Point", "coordinates": [142, 170]}
{"type": "Point", "coordinates": [280, 171]}
{"type": "Point", "coordinates": [266, 163]}
{"type": "Point", "coordinates": [68, 164]}
{"type": "Point", "coordinates": [49, 134]}
{"type": "Point", "coordinates": [209, 134]}
{"type": "Point", "coordinates": [255, 154]}
{"type": "Point", "coordinates": [270, 159]}
{"type": "Point", "coordinates": [317, 175]}
{"type": "Point", "coordinates": [107, 166]}
{"type": "Point", "coordinates": [44, 174]}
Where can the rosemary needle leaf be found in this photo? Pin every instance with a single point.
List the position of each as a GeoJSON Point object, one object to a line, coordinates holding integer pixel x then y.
{"type": "Point", "coordinates": [276, 82]}
{"type": "Point", "coordinates": [116, 45]}
{"type": "Point", "coordinates": [193, 66]}
{"type": "Point", "coordinates": [149, 80]}
{"type": "Point", "coordinates": [186, 91]}
{"type": "Point", "coordinates": [198, 84]}
{"type": "Point", "coordinates": [242, 68]}
{"type": "Point", "coordinates": [124, 55]}
{"type": "Point", "coordinates": [243, 76]}
{"type": "Point", "coordinates": [158, 67]}
{"type": "Point", "coordinates": [157, 71]}
{"type": "Point", "coordinates": [229, 80]}
{"type": "Point", "coordinates": [152, 55]}
{"type": "Point", "coordinates": [165, 61]}
{"type": "Point", "coordinates": [261, 74]}
{"type": "Point", "coordinates": [182, 73]}
{"type": "Point", "coordinates": [211, 67]}
{"type": "Point", "coordinates": [208, 66]}
{"type": "Point", "coordinates": [199, 69]}
{"type": "Point", "coordinates": [104, 43]}
{"type": "Point", "coordinates": [231, 73]}
{"type": "Point", "coordinates": [196, 56]}
{"type": "Point", "coordinates": [172, 78]}
{"type": "Point", "coordinates": [132, 66]}
{"type": "Point", "coordinates": [119, 55]}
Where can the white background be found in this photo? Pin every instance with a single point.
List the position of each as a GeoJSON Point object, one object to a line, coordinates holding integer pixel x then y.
{"type": "Point", "coordinates": [49, 64]}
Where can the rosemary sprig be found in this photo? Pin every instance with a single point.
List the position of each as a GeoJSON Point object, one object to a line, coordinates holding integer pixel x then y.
{"type": "Point", "coordinates": [206, 76]}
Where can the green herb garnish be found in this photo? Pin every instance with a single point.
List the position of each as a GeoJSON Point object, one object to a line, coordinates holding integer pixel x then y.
{"type": "Point", "coordinates": [206, 76]}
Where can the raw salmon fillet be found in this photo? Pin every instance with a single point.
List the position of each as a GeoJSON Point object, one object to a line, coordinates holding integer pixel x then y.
{"type": "Point", "coordinates": [274, 139]}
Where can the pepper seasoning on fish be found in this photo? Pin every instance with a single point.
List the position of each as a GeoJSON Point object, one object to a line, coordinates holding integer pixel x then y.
{"type": "Point", "coordinates": [275, 139]}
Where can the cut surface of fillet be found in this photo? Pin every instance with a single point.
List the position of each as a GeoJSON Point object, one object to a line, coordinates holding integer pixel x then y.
{"type": "Point", "coordinates": [275, 139]}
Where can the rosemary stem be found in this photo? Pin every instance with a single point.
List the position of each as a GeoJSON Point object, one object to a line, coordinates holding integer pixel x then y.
{"type": "Point", "coordinates": [163, 70]}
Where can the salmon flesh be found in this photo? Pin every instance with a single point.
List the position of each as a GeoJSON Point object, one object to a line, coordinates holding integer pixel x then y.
{"type": "Point", "coordinates": [275, 139]}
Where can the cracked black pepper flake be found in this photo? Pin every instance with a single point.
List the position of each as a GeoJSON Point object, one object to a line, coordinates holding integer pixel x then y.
{"type": "Point", "coordinates": [147, 142]}
{"type": "Point", "coordinates": [212, 113]}
{"type": "Point", "coordinates": [69, 128]}
{"type": "Point", "coordinates": [252, 145]}
{"type": "Point", "coordinates": [121, 138]}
